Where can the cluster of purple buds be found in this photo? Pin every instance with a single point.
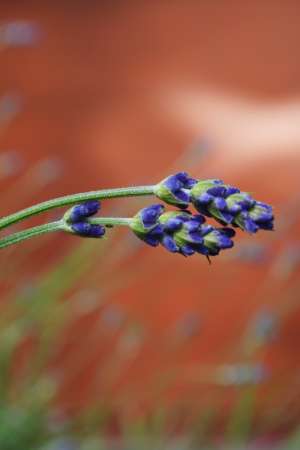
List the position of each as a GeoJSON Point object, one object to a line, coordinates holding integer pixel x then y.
{"type": "Point", "coordinates": [175, 189]}
{"type": "Point", "coordinates": [212, 198]}
{"type": "Point", "coordinates": [76, 220]}
{"type": "Point", "coordinates": [180, 232]}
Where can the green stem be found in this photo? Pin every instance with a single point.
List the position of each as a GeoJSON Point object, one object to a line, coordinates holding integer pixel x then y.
{"type": "Point", "coordinates": [111, 221]}
{"type": "Point", "coordinates": [72, 199]}
{"type": "Point", "coordinates": [30, 232]}
{"type": "Point", "coordinates": [57, 226]}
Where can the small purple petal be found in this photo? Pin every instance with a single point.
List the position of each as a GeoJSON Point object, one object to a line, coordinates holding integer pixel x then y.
{"type": "Point", "coordinates": [84, 210]}
{"type": "Point", "coordinates": [264, 217]}
{"type": "Point", "coordinates": [217, 191]}
{"type": "Point", "coordinates": [192, 225]}
{"type": "Point", "coordinates": [81, 228]}
{"type": "Point", "coordinates": [158, 230]}
{"type": "Point", "coordinates": [88, 230]}
{"type": "Point", "coordinates": [196, 237]}
{"type": "Point", "coordinates": [267, 225]}
{"type": "Point", "coordinates": [150, 214]}
{"type": "Point", "coordinates": [220, 203]}
{"type": "Point", "coordinates": [184, 217]}
{"type": "Point", "coordinates": [169, 243]}
{"type": "Point", "coordinates": [154, 236]}
{"type": "Point", "coordinates": [205, 198]}
{"type": "Point", "coordinates": [261, 213]}
{"type": "Point", "coordinates": [200, 248]}
{"type": "Point", "coordinates": [152, 240]}
{"type": "Point", "coordinates": [250, 226]}
{"type": "Point", "coordinates": [235, 209]}
{"type": "Point", "coordinates": [187, 250]}
{"type": "Point", "coordinates": [230, 190]}
{"type": "Point", "coordinates": [224, 241]}
{"type": "Point", "coordinates": [185, 180]}
{"type": "Point", "coordinates": [182, 196]}
{"type": "Point", "coordinates": [182, 176]}
{"type": "Point", "coordinates": [173, 224]}
{"type": "Point", "coordinates": [247, 202]}
{"type": "Point", "coordinates": [265, 206]}
{"type": "Point", "coordinates": [173, 183]}
{"type": "Point", "coordinates": [217, 181]}
{"type": "Point", "coordinates": [190, 183]}
{"type": "Point", "coordinates": [91, 207]}
{"type": "Point", "coordinates": [229, 232]}
{"type": "Point", "coordinates": [227, 217]}
{"type": "Point", "coordinates": [199, 218]}
{"type": "Point", "coordinates": [205, 229]}
{"type": "Point", "coordinates": [96, 231]}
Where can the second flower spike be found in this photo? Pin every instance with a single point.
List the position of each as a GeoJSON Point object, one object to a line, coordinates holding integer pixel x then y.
{"type": "Point", "coordinates": [225, 203]}
{"type": "Point", "coordinates": [180, 232]}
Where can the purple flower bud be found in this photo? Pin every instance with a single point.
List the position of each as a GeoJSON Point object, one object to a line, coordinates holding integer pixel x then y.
{"type": "Point", "coordinates": [86, 229]}
{"type": "Point", "coordinates": [82, 211]}
{"type": "Point", "coordinates": [205, 198]}
{"type": "Point", "coordinates": [187, 250]}
{"type": "Point", "coordinates": [150, 215]}
{"type": "Point", "coordinates": [154, 236]}
{"type": "Point", "coordinates": [175, 189]}
{"type": "Point", "coordinates": [220, 203]}
{"type": "Point", "coordinates": [173, 224]}
{"type": "Point", "coordinates": [169, 243]}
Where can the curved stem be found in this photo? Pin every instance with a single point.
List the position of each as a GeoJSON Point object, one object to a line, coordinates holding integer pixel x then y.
{"type": "Point", "coordinates": [30, 232]}
{"type": "Point", "coordinates": [111, 221]}
{"type": "Point", "coordinates": [59, 225]}
{"type": "Point", "coordinates": [75, 198]}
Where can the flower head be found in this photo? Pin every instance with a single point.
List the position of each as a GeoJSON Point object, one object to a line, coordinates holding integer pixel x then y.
{"type": "Point", "coordinates": [181, 232]}
{"type": "Point", "coordinates": [230, 206]}
{"type": "Point", "coordinates": [175, 189]}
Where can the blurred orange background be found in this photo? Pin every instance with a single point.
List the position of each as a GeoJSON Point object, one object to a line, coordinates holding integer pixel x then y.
{"type": "Point", "coordinates": [105, 94]}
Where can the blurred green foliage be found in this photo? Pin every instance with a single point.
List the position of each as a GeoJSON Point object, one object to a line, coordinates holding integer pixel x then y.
{"type": "Point", "coordinates": [27, 401]}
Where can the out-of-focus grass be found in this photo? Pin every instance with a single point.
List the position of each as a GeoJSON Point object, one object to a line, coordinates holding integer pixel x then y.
{"type": "Point", "coordinates": [27, 400]}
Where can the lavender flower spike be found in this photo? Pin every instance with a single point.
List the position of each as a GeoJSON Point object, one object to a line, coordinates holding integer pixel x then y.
{"type": "Point", "coordinates": [175, 189]}
{"type": "Point", "coordinates": [180, 232]}
{"type": "Point", "coordinates": [229, 206]}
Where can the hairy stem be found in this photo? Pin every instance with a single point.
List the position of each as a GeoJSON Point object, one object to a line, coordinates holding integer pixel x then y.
{"type": "Point", "coordinates": [72, 199]}
{"type": "Point", "coordinates": [60, 225]}
{"type": "Point", "coordinates": [29, 233]}
{"type": "Point", "coordinates": [110, 221]}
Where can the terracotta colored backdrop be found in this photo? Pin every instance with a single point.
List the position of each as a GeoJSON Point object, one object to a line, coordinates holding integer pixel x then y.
{"type": "Point", "coordinates": [120, 93]}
